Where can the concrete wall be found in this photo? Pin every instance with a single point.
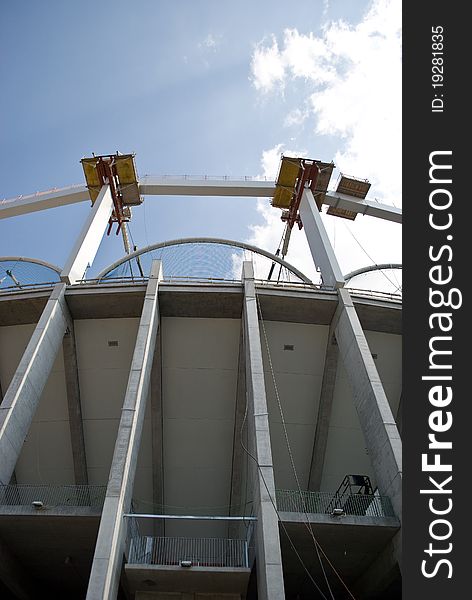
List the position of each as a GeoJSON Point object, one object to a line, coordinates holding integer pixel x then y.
{"type": "Point", "coordinates": [200, 359]}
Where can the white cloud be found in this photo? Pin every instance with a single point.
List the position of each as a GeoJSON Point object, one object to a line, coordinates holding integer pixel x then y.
{"type": "Point", "coordinates": [267, 67]}
{"type": "Point", "coordinates": [302, 56]}
{"type": "Point", "coordinates": [352, 82]}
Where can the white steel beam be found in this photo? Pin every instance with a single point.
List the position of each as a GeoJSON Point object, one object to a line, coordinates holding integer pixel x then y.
{"type": "Point", "coordinates": [43, 200]}
{"type": "Point", "coordinates": [370, 208]}
{"type": "Point", "coordinates": [163, 186]}
{"type": "Point", "coordinates": [87, 244]}
{"type": "Point", "coordinates": [320, 246]}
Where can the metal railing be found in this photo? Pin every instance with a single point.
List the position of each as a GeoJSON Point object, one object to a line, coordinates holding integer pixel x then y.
{"type": "Point", "coordinates": [133, 280]}
{"type": "Point", "coordinates": [52, 496]}
{"type": "Point", "coordinates": [201, 552]}
{"type": "Point", "coordinates": [165, 279]}
{"type": "Point", "coordinates": [128, 279]}
{"type": "Point", "coordinates": [377, 294]}
{"type": "Point", "coordinates": [187, 177]}
{"type": "Point", "coordinates": [24, 287]}
{"type": "Point", "coordinates": [364, 505]}
{"type": "Point", "coordinates": [43, 193]}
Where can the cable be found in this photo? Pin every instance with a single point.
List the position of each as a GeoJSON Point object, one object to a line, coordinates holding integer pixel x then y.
{"type": "Point", "coordinates": [131, 235]}
{"type": "Point", "coordinates": [145, 228]}
{"type": "Point", "coordinates": [399, 285]}
{"type": "Point", "coordinates": [368, 256]}
{"type": "Point", "coordinates": [277, 253]}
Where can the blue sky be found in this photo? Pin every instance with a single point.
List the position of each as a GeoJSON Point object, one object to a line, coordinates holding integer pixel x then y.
{"type": "Point", "coordinates": [207, 87]}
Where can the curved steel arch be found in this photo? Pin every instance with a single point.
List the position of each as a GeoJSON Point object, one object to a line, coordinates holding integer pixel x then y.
{"type": "Point", "coordinates": [35, 261]}
{"type": "Point", "coordinates": [200, 240]}
{"type": "Point", "coordinates": [372, 268]}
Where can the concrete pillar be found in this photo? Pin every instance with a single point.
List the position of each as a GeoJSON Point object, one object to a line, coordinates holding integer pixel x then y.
{"type": "Point", "coordinates": [14, 576]}
{"type": "Point", "coordinates": [376, 419]}
{"type": "Point", "coordinates": [381, 572]}
{"type": "Point", "coordinates": [375, 416]}
{"type": "Point", "coordinates": [157, 428]}
{"type": "Point", "coordinates": [107, 561]}
{"type": "Point", "coordinates": [239, 456]}
{"type": "Point", "coordinates": [324, 413]}
{"type": "Point", "coordinates": [13, 475]}
{"type": "Point", "coordinates": [318, 241]}
{"type": "Point", "coordinates": [399, 418]}
{"type": "Point", "coordinates": [74, 407]}
{"type": "Point", "coordinates": [87, 244]}
{"type": "Point", "coordinates": [24, 392]}
{"type": "Point", "coordinates": [270, 583]}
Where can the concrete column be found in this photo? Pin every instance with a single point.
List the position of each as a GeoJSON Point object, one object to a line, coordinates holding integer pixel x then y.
{"type": "Point", "coordinates": [87, 244]}
{"type": "Point", "coordinates": [399, 418]}
{"type": "Point", "coordinates": [270, 583]}
{"type": "Point", "coordinates": [318, 241]}
{"type": "Point", "coordinates": [381, 572]}
{"type": "Point", "coordinates": [107, 561]}
{"type": "Point", "coordinates": [14, 576]}
{"type": "Point", "coordinates": [324, 412]}
{"type": "Point", "coordinates": [13, 475]}
{"type": "Point", "coordinates": [11, 574]}
{"type": "Point", "coordinates": [74, 407]}
{"type": "Point", "coordinates": [376, 419]}
{"type": "Point", "coordinates": [157, 428]}
{"type": "Point", "coordinates": [239, 456]}
{"type": "Point", "coordinates": [22, 396]}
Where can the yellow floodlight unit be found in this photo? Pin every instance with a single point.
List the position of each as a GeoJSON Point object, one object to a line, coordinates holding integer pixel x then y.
{"type": "Point", "coordinates": [128, 179]}
{"type": "Point", "coordinates": [92, 178]}
{"type": "Point", "coordinates": [350, 186]}
{"type": "Point", "coordinates": [341, 212]}
{"type": "Point", "coordinates": [325, 170]}
{"type": "Point", "coordinates": [286, 181]}
{"type": "Point", "coordinates": [124, 173]}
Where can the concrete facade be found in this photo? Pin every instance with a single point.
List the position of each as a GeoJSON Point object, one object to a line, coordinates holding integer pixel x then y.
{"type": "Point", "coordinates": [203, 372]}
{"type": "Point", "coordinates": [192, 438]}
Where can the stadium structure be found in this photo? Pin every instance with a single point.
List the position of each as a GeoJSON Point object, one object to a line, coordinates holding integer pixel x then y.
{"type": "Point", "coordinates": [200, 420]}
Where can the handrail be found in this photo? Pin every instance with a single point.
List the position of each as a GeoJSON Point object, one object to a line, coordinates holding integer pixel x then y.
{"type": "Point", "coordinates": [199, 552]}
{"type": "Point", "coordinates": [52, 496]}
{"type": "Point", "coordinates": [363, 505]}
